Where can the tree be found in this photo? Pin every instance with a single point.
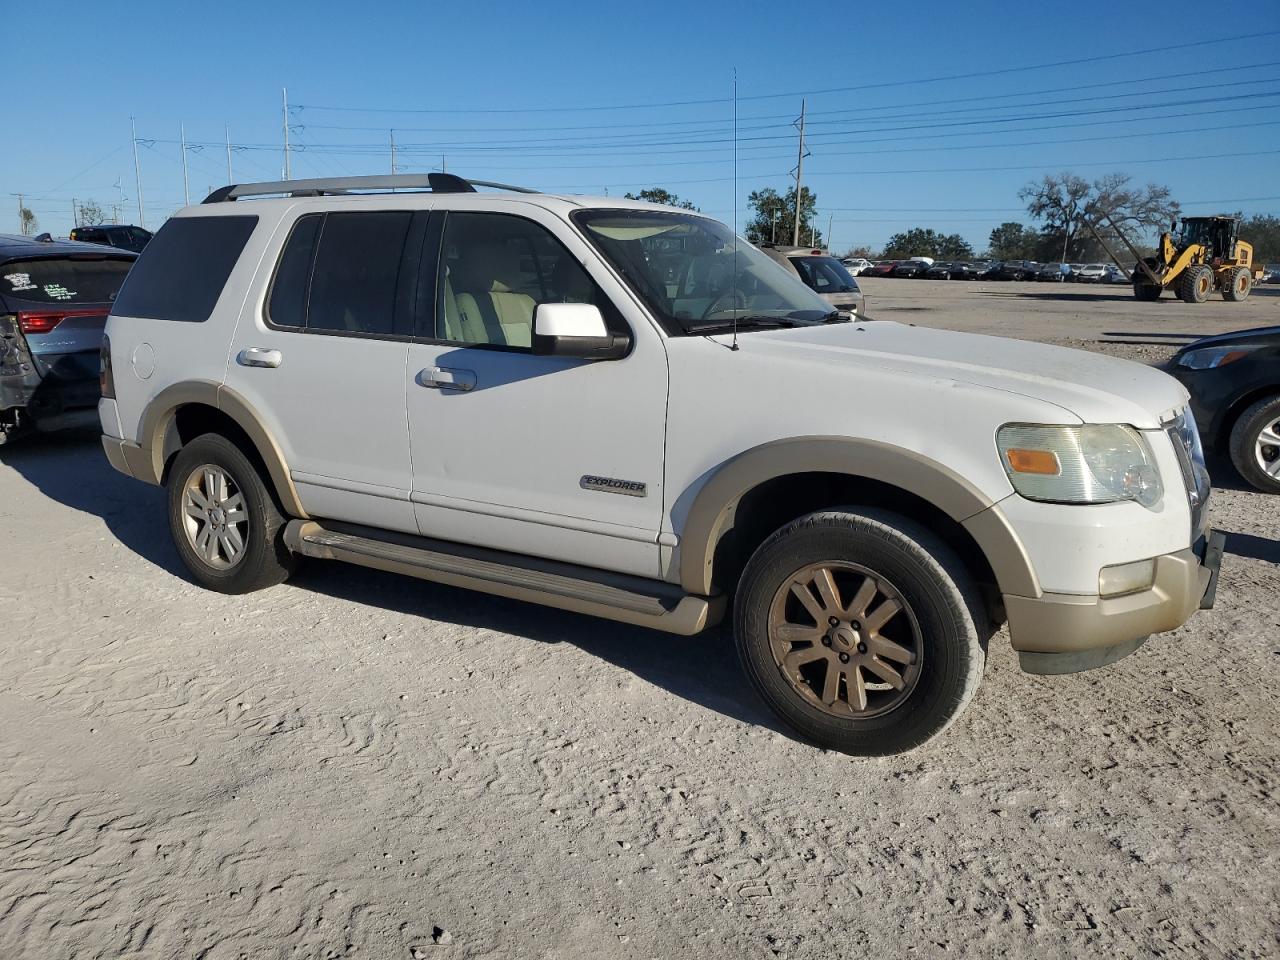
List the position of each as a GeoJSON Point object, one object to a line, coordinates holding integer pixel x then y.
{"type": "Point", "coordinates": [1013, 241]}
{"type": "Point", "coordinates": [91, 214]}
{"type": "Point", "coordinates": [663, 196]}
{"type": "Point", "coordinates": [863, 252]}
{"type": "Point", "coordinates": [27, 220]}
{"type": "Point", "coordinates": [1064, 201]}
{"type": "Point", "coordinates": [1263, 231]}
{"type": "Point", "coordinates": [773, 216]}
{"type": "Point", "coordinates": [921, 242]}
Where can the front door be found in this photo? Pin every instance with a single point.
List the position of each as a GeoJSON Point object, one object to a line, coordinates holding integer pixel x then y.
{"type": "Point", "coordinates": [547, 456]}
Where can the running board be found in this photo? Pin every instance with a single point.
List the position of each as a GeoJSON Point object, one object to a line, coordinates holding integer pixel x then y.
{"type": "Point", "coordinates": [646, 603]}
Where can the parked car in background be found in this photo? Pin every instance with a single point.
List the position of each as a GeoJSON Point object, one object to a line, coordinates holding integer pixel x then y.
{"type": "Point", "coordinates": [1234, 382]}
{"type": "Point", "coordinates": [1271, 273]}
{"type": "Point", "coordinates": [883, 268]}
{"type": "Point", "coordinates": [1075, 271]}
{"type": "Point", "coordinates": [911, 268]}
{"type": "Point", "coordinates": [54, 299]}
{"type": "Point", "coordinates": [1017, 270]}
{"type": "Point", "coordinates": [856, 265]}
{"type": "Point", "coordinates": [941, 270]}
{"type": "Point", "coordinates": [821, 273]}
{"type": "Point", "coordinates": [1053, 272]}
{"type": "Point", "coordinates": [1116, 275]}
{"type": "Point", "coordinates": [1092, 273]}
{"type": "Point", "coordinates": [120, 235]}
{"type": "Point", "coordinates": [990, 269]}
{"type": "Point", "coordinates": [964, 271]}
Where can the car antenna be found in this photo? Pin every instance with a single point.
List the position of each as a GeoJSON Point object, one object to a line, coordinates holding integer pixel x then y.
{"type": "Point", "coordinates": [735, 210]}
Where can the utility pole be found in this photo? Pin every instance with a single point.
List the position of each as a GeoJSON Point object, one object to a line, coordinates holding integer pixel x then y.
{"type": "Point", "coordinates": [830, 220]}
{"type": "Point", "coordinates": [186, 187]}
{"type": "Point", "coordinates": [393, 153]}
{"type": "Point", "coordinates": [137, 172]}
{"type": "Point", "coordinates": [230, 179]}
{"type": "Point", "coordinates": [288, 174]}
{"type": "Point", "coordinates": [795, 237]}
{"type": "Point", "coordinates": [75, 216]}
{"type": "Point", "coordinates": [443, 168]}
{"type": "Point", "coordinates": [22, 221]}
{"type": "Point", "coordinates": [773, 228]}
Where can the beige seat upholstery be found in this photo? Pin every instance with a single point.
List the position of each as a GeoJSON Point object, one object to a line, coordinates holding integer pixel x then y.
{"type": "Point", "coordinates": [479, 304]}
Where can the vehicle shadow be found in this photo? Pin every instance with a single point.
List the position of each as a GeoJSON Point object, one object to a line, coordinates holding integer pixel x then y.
{"type": "Point", "coordinates": [1253, 547]}
{"type": "Point", "coordinates": [70, 468]}
{"type": "Point", "coordinates": [1074, 297]}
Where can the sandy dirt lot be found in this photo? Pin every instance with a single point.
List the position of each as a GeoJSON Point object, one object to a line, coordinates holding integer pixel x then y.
{"type": "Point", "coordinates": [356, 764]}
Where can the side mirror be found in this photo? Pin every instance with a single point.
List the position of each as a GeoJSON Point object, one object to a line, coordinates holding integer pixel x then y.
{"type": "Point", "coordinates": [575, 330]}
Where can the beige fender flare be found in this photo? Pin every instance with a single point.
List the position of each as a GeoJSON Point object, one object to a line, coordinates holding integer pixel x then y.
{"type": "Point", "coordinates": [158, 440]}
{"type": "Point", "coordinates": [714, 504]}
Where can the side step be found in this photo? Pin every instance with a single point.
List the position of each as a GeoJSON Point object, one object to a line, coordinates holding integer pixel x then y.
{"type": "Point", "coordinates": [647, 603]}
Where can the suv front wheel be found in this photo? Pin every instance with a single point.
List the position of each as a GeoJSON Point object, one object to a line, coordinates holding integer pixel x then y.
{"type": "Point", "coordinates": [223, 519]}
{"type": "Point", "coordinates": [862, 630]}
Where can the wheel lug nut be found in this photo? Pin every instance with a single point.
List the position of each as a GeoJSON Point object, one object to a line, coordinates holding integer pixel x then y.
{"type": "Point", "coordinates": [862, 648]}
{"type": "Point", "coordinates": [826, 641]}
{"type": "Point", "coordinates": [832, 621]}
{"type": "Point", "coordinates": [844, 658]}
{"type": "Point", "coordinates": [855, 625]}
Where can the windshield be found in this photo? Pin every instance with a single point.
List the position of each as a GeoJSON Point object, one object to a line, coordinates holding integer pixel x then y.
{"type": "Point", "coordinates": [59, 280]}
{"type": "Point", "coordinates": [685, 269]}
{"type": "Point", "coordinates": [825, 274]}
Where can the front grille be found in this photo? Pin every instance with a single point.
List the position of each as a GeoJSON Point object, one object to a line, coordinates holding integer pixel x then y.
{"type": "Point", "coordinates": [1185, 436]}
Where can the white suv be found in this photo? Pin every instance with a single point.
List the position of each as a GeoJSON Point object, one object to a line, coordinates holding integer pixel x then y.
{"type": "Point", "coordinates": [621, 409]}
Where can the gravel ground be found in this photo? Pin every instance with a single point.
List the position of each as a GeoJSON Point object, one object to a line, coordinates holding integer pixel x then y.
{"type": "Point", "coordinates": [357, 764]}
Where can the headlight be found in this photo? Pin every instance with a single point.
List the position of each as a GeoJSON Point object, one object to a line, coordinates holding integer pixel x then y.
{"type": "Point", "coordinates": [1211, 357]}
{"type": "Point", "coordinates": [1095, 463]}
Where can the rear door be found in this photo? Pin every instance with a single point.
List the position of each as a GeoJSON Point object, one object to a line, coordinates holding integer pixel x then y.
{"type": "Point", "coordinates": [321, 355]}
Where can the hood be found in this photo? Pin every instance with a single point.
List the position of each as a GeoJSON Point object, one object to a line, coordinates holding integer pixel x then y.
{"type": "Point", "coordinates": [1264, 335]}
{"type": "Point", "coordinates": [1092, 387]}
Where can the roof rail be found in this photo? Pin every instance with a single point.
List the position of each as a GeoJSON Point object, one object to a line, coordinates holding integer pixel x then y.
{"type": "Point", "coordinates": [327, 186]}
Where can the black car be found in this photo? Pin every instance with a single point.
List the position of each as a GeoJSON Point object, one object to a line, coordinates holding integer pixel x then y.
{"type": "Point", "coordinates": [114, 235]}
{"type": "Point", "coordinates": [910, 268]}
{"type": "Point", "coordinates": [1016, 270]}
{"type": "Point", "coordinates": [939, 271]}
{"type": "Point", "coordinates": [966, 271]}
{"type": "Point", "coordinates": [1234, 381]}
{"type": "Point", "coordinates": [54, 299]}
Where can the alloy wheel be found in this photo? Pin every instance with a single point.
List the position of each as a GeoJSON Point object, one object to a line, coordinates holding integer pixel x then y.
{"type": "Point", "coordinates": [1267, 448]}
{"type": "Point", "coordinates": [214, 516]}
{"type": "Point", "coordinates": [845, 639]}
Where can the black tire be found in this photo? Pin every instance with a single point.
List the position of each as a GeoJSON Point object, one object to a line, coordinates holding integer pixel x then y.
{"type": "Point", "coordinates": [263, 560]}
{"type": "Point", "coordinates": [932, 582]}
{"type": "Point", "coordinates": [1239, 283]}
{"type": "Point", "coordinates": [1248, 446]}
{"type": "Point", "coordinates": [1149, 292]}
{"type": "Point", "coordinates": [1195, 284]}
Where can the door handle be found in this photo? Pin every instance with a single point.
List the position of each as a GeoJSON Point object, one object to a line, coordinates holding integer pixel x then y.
{"type": "Point", "coordinates": [259, 357]}
{"type": "Point", "coordinates": [445, 378]}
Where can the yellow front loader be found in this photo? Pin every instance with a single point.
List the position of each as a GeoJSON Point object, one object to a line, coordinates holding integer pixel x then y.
{"type": "Point", "coordinates": [1205, 255]}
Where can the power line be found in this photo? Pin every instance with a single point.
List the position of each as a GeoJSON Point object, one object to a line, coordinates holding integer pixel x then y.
{"type": "Point", "coordinates": [1004, 71]}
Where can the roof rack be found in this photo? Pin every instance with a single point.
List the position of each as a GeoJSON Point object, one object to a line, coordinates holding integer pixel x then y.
{"type": "Point", "coordinates": [336, 186]}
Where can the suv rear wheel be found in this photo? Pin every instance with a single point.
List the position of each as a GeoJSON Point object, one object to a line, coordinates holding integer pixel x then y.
{"type": "Point", "coordinates": [223, 519]}
{"type": "Point", "coordinates": [861, 629]}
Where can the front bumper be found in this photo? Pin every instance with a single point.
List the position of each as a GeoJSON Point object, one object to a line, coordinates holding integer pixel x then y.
{"type": "Point", "coordinates": [1067, 633]}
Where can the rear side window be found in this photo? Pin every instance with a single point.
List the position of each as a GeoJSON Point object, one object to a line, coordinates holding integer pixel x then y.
{"type": "Point", "coordinates": [63, 280]}
{"type": "Point", "coordinates": [184, 268]}
{"type": "Point", "coordinates": [342, 273]}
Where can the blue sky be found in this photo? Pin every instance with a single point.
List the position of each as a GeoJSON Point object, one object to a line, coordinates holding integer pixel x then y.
{"type": "Point", "coordinates": [589, 97]}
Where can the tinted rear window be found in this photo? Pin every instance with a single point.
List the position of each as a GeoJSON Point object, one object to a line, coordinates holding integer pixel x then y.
{"type": "Point", "coordinates": [184, 268]}
{"type": "Point", "coordinates": [60, 280]}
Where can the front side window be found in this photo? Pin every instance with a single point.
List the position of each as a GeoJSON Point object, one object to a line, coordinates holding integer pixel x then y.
{"type": "Point", "coordinates": [695, 276]}
{"type": "Point", "coordinates": [494, 271]}
{"type": "Point", "coordinates": [341, 273]}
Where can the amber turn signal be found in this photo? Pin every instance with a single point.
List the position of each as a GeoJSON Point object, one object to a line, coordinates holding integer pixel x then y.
{"type": "Point", "coordinates": [1034, 461]}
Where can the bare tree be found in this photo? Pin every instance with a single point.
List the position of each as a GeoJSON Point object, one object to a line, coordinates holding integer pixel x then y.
{"type": "Point", "coordinates": [27, 221]}
{"type": "Point", "coordinates": [1062, 202]}
{"type": "Point", "coordinates": [91, 214]}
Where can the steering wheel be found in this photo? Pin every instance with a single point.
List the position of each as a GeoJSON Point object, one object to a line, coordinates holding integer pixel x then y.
{"type": "Point", "coordinates": [738, 298]}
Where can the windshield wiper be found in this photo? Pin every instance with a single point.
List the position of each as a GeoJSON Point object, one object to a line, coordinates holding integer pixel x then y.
{"type": "Point", "coordinates": [743, 323]}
